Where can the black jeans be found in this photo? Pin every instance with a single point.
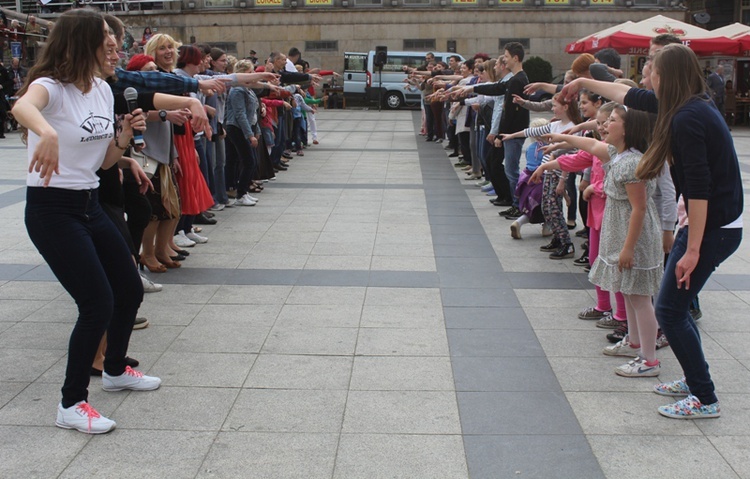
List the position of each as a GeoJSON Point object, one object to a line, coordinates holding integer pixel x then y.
{"type": "Point", "coordinates": [248, 158]}
{"type": "Point", "coordinates": [92, 262]}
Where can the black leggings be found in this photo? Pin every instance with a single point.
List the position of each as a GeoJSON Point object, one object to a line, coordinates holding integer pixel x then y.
{"type": "Point", "coordinates": [247, 157]}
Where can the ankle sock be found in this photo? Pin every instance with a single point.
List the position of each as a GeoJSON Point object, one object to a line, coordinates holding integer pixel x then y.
{"type": "Point", "coordinates": [651, 363]}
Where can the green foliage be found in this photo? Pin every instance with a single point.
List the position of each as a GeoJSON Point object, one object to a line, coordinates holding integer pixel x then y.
{"type": "Point", "coordinates": [538, 69]}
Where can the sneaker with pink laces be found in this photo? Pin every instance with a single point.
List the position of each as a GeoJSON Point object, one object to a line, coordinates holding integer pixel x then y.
{"type": "Point", "coordinates": [83, 417]}
{"type": "Point", "coordinates": [130, 379]}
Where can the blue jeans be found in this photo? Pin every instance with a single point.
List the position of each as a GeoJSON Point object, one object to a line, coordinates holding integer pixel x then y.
{"type": "Point", "coordinates": [512, 164]}
{"type": "Point", "coordinates": [673, 305]}
{"type": "Point", "coordinates": [89, 257]}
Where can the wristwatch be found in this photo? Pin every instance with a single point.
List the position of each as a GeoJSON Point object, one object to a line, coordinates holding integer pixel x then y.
{"type": "Point", "coordinates": [163, 115]}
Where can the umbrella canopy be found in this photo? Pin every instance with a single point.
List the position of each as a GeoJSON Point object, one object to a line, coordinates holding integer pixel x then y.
{"type": "Point", "coordinates": [634, 39]}
{"type": "Point", "coordinates": [732, 31]}
{"type": "Point", "coordinates": [584, 44]}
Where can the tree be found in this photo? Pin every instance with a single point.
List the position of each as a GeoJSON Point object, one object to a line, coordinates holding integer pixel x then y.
{"type": "Point", "coordinates": [538, 70]}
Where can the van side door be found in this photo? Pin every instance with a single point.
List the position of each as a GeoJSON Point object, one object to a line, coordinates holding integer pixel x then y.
{"type": "Point", "coordinates": [355, 74]}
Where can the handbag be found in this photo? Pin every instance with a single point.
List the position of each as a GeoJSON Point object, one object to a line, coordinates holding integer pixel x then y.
{"type": "Point", "coordinates": [148, 164]}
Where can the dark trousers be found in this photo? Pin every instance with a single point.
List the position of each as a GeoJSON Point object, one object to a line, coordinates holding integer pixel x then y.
{"type": "Point", "coordinates": [570, 187]}
{"type": "Point", "coordinates": [138, 209]}
{"type": "Point", "coordinates": [496, 173]}
{"type": "Point", "coordinates": [429, 121]}
{"type": "Point", "coordinates": [92, 262]}
{"type": "Point", "coordinates": [673, 305]}
{"type": "Point", "coordinates": [248, 158]}
{"type": "Point", "coordinates": [437, 119]}
{"type": "Point", "coordinates": [465, 145]}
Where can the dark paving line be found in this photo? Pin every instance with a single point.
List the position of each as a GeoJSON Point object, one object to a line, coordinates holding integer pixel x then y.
{"type": "Point", "coordinates": [12, 197]}
{"type": "Point", "coordinates": [464, 276]}
{"type": "Point", "coordinates": [349, 186]}
{"type": "Point", "coordinates": [513, 411]}
{"type": "Point", "coordinates": [366, 149]}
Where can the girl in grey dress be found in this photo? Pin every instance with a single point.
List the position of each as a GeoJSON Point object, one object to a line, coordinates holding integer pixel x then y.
{"type": "Point", "coordinates": [630, 254]}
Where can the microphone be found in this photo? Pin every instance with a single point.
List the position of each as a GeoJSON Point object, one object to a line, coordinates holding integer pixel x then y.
{"type": "Point", "coordinates": [131, 96]}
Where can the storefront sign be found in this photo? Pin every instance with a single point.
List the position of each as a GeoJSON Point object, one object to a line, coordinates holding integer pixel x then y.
{"type": "Point", "coordinates": [326, 3]}
{"type": "Point", "coordinates": [557, 2]}
{"type": "Point", "coordinates": [269, 3]}
{"type": "Point", "coordinates": [464, 2]}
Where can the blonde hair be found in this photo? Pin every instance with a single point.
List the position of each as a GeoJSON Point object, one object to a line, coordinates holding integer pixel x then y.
{"type": "Point", "coordinates": [159, 40]}
{"type": "Point", "coordinates": [536, 123]}
{"type": "Point", "coordinates": [680, 80]}
{"type": "Point", "coordinates": [244, 66]}
{"type": "Point", "coordinates": [626, 81]}
{"type": "Point", "coordinates": [231, 62]}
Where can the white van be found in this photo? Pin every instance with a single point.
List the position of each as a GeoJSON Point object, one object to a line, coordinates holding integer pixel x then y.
{"type": "Point", "coordinates": [362, 80]}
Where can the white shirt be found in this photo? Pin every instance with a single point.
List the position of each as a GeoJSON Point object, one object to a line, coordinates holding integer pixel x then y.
{"type": "Point", "coordinates": [290, 66]}
{"type": "Point", "coordinates": [84, 123]}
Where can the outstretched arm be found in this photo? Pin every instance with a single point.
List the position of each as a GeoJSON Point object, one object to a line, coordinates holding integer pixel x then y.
{"type": "Point", "coordinates": [593, 146]}
{"type": "Point", "coordinates": [613, 91]}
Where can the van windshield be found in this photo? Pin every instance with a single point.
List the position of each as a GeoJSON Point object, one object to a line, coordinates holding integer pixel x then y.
{"type": "Point", "coordinates": [355, 62]}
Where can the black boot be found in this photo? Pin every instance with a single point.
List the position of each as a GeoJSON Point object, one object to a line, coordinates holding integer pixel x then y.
{"type": "Point", "coordinates": [565, 251]}
{"type": "Point", "coordinates": [553, 245]}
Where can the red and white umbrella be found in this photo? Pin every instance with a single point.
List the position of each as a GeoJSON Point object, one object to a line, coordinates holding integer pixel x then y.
{"type": "Point", "coordinates": [634, 39]}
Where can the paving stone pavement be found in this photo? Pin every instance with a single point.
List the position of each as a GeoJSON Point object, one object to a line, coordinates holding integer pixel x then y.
{"type": "Point", "coordinates": [370, 318]}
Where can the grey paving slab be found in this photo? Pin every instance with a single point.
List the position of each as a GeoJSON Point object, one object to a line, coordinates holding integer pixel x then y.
{"type": "Point", "coordinates": [402, 342]}
{"type": "Point", "coordinates": [401, 412]}
{"type": "Point", "coordinates": [169, 454]}
{"type": "Point", "coordinates": [429, 315]}
{"type": "Point", "coordinates": [401, 374]}
{"type": "Point", "coordinates": [503, 374]}
{"type": "Point", "coordinates": [411, 279]}
{"type": "Point", "coordinates": [333, 278]}
{"type": "Point", "coordinates": [486, 413]}
{"type": "Point", "coordinates": [13, 271]}
{"type": "Point", "coordinates": [37, 451]}
{"type": "Point", "coordinates": [297, 371]}
{"type": "Point", "coordinates": [375, 456]}
{"type": "Point", "coordinates": [564, 457]}
{"type": "Point", "coordinates": [494, 342]}
{"type": "Point", "coordinates": [285, 410]}
{"type": "Point", "coordinates": [203, 369]}
{"type": "Point", "coordinates": [325, 341]}
{"type": "Point", "coordinates": [485, 318]}
{"type": "Point", "coordinates": [287, 455]}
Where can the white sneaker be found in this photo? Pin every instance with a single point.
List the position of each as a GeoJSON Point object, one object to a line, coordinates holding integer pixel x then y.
{"type": "Point", "coordinates": [230, 202]}
{"type": "Point", "coordinates": [183, 241]}
{"type": "Point", "coordinates": [149, 286]}
{"type": "Point", "coordinates": [83, 417]}
{"type": "Point", "coordinates": [245, 201]}
{"type": "Point", "coordinates": [638, 368]}
{"type": "Point", "coordinates": [197, 238]}
{"type": "Point", "coordinates": [130, 379]}
{"type": "Point", "coordinates": [622, 348]}
{"type": "Point", "coordinates": [252, 197]}
{"type": "Point", "coordinates": [217, 207]}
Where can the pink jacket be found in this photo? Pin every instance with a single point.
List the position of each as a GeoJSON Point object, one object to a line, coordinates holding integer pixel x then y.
{"type": "Point", "coordinates": [582, 160]}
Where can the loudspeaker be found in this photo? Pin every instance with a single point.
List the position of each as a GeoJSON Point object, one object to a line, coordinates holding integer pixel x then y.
{"type": "Point", "coordinates": [381, 56]}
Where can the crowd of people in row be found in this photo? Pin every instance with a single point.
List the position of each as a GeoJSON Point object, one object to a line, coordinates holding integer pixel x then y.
{"type": "Point", "coordinates": [642, 155]}
{"type": "Point", "coordinates": [123, 162]}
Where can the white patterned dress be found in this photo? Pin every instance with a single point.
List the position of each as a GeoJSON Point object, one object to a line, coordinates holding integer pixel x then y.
{"type": "Point", "coordinates": [645, 276]}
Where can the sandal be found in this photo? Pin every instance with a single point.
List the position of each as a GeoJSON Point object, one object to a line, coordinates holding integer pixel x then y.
{"type": "Point", "coordinates": [254, 189]}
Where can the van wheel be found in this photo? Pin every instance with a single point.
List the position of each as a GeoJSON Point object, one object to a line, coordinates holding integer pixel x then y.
{"type": "Point", "coordinates": [393, 100]}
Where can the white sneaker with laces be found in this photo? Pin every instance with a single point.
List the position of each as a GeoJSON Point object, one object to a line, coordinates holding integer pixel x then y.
{"type": "Point", "coordinates": [183, 241]}
{"type": "Point", "coordinates": [245, 201]}
{"type": "Point", "coordinates": [218, 207]}
{"type": "Point", "coordinates": [83, 417]}
{"type": "Point", "coordinates": [622, 348]}
{"type": "Point", "coordinates": [230, 202]}
{"type": "Point", "coordinates": [252, 197]}
{"type": "Point", "coordinates": [130, 379]}
{"type": "Point", "coordinates": [149, 286]}
{"type": "Point", "coordinates": [197, 238]}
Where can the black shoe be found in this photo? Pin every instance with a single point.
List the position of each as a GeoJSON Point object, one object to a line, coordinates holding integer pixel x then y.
{"type": "Point", "coordinates": [453, 155]}
{"type": "Point", "coordinates": [202, 219]}
{"type": "Point", "coordinates": [286, 155]}
{"type": "Point", "coordinates": [280, 168]}
{"type": "Point", "coordinates": [571, 225]}
{"type": "Point", "coordinates": [208, 214]}
{"type": "Point", "coordinates": [619, 333]}
{"type": "Point", "coordinates": [696, 314]}
{"type": "Point", "coordinates": [514, 214]}
{"type": "Point", "coordinates": [582, 261]}
{"type": "Point", "coordinates": [429, 139]}
{"type": "Point", "coordinates": [502, 202]}
{"type": "Point", "coordinates": [96, 372]}
{"type": "Point", "coordinates": [133, 363]}
{"type": "Point", "coordinates": [553, 245]}
{"type": "Point", "coordinates": [582, 233]}
{"type": "Point", "coordinates": [179, 257]}
{"type": "Point", "coordinates": [182, 252]}
{"type": "Point", "coordinates": [565, 251]}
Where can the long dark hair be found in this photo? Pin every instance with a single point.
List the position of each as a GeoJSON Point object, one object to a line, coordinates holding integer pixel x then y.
{"type": "Point", "coordinates": [680, 80]}
{"type": "Point", "coordinates": [70, 55]}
